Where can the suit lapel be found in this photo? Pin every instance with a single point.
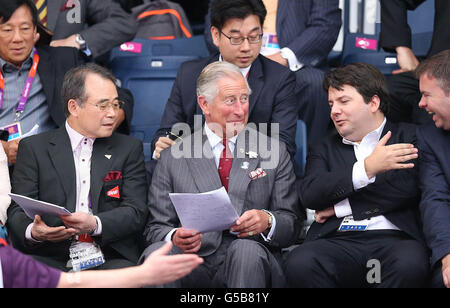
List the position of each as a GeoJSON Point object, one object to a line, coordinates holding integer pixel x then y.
{"type": "Point", "coordinates": [204, 169]}
{"type": "Point", "coordinates": [240, 169]}
{"type": "Point", "coordinates": [100, 165]}
{"type": "Point", "coordinates": [282, 7]}
{"type": "Point", "coordinates": [256, 82]}
{"type": "Point", "coordinates": [47, 74]}
{"type": "Point", "coordinates": [61, 155]}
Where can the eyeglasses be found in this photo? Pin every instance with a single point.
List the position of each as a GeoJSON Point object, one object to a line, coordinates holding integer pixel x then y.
{"type": "Point", "coordinates": [252, 39]}
{"type": "Point", "coordinates": [116, 105]}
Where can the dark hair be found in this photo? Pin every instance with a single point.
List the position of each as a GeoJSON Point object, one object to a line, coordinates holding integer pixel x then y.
{"type": "Point", "coordinates": [74, 83]}
{"type": "Point", "coordinates": [365, 78]}
{"type": "Point", "coordinates": [224, 10]}
{"type": "Point", "coordinates": [438, 67]}
{"type": "Point", "coordinates": [8, 7]}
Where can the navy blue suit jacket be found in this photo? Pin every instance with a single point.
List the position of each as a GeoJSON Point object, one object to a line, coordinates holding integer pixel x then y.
{"type": "Point", "coordinates": [308, 27]}
{"type": "Point", "coordinates": [434, 172]}
{"type": "Point", "coordinates": [273, 98]}
{"type": "Point", "coordinates": [328, 180]}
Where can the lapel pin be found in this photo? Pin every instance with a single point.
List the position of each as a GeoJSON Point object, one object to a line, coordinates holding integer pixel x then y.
{"type": "Point", "coordinates": [245, 165]}
{"type": "Point", "coordinates": [252, 154]}
{"type": "Point", "coordinates": [108, 156]}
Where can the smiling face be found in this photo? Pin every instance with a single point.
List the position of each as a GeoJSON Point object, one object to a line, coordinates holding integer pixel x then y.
{"type": "Point", "coordinates": [228, 112]}
{"type": "Point", "coordinates": [435, 101]}
{"type": "Point", "coordinates": [351, 115]}
{"type": "Point", "coordinates": [244, 54]}
{"type": "Point", "coordinates": [18, 36]}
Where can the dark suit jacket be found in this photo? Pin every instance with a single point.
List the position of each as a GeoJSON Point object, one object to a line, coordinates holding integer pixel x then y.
{"type": "Point", "coordinates": [434, 172]}
{"type": "Point", "coordinates": [395, 30]}
{"type": "Point", "coordinates": [54, 63]}
{"type": "Point", "coordinates": [102, 23]}
{"type": "Point", "coordinates": [273, 98]}
{"type": "Point", "coordinates": [45, 170]}
{"type": "Point", "coordinates": [308, 27]}
{"type": "Point", "coordinates": [328, 180]}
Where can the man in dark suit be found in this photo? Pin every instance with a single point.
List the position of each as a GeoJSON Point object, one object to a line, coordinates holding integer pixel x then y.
{"type": "Point", "coordinates": [16, 57]}
{"type": "Point", "coordinates": [395, 36]}
{"type": "Point", "coordinates": [362, 182]}
{"type": "Point", "coordinates": [228, 153]}
{"type": "Point", "coordinates": [300, 34]}
{"type": "Point", "coordinates": [237, 32]}
{"type": "Point", "coordinates": [83, 166]}
{"type": "Point", "coordinates": [434, 163]}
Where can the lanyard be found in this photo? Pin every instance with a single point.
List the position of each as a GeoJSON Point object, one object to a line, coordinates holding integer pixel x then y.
{"type": "Point", "coordinates": [26, 90]}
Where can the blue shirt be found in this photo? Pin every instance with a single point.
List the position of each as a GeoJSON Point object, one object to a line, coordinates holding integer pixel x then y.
{"type": "Point", "coordinates": [36, 110]}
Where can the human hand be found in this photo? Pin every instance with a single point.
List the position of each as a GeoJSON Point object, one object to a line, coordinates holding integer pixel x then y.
{"type": "Point", "coordinates": [162, 144]}
{"type": "Point", "coordinates": [278, 58]}
{"type": "Point", "coordinates": [251, 222]}
{"type": "Point", "coordinates": [159, 268]}
{"type": "Point", "coordinates": [43, 233]}
{"type": "Point", "coordinates": [83, 223]}
{"type": "Point", "coordinates": [446, 270]}
{"type": "Point", "coordinates": [11, 149]}
{"type": "Point", "coordinates": [187, 240]}
{"type": "Point", "coordinates": [67, 42]}
{"type": "Point", "coordinates": [406, 60]}
{"type": "Point", "coordinates": [389, 157]}
{"type": "Point", "coordinates": [323, 215]}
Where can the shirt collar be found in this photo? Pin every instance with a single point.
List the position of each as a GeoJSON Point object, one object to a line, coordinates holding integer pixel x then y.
{"type": "Point", "coordinates": [76, 138]}
{"type": "Point", "coordinates": [244, 71]}
{"type": "Point", "coordinates": [373, 136]}
{"type": "Point", "coordinates": [214, 140]}
{"type": "Point", "coordinates": [7, 67]}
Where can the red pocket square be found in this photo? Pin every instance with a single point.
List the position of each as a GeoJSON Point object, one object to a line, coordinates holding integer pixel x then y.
{"type": "Point", "coordinates": [113, 175]}
{"type": "Point", "coordinates": [70, 4]}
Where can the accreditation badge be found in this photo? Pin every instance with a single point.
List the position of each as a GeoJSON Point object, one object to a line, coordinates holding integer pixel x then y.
{"type": "Point", "coordinates": [14, 131]}
{"type": "Point", "coordinates": [85, 256]}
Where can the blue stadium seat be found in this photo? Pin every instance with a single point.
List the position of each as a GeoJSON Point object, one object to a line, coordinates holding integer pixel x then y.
{"type": "Point", "coordinates": [302, 145]}
{"type": "Point", "coordinates": [421, 23]}
{"type": "Point", "coordinates": [149, 76]}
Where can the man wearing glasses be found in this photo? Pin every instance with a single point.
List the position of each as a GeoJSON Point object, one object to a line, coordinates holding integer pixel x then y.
{"type": "Point", "coordinates": [237, 32]}
{"type": "Point", "coordinates": [98, 175]}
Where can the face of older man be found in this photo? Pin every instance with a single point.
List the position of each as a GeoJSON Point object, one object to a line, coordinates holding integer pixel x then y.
{"type": "Point", "coordinates": [17, 36]}
{"type": "Point", "coordinates": [435, 101]}
{"type": "Point", "coordinates": [228, 112]}
{"type": "Point", "coordinates": [96, 117]}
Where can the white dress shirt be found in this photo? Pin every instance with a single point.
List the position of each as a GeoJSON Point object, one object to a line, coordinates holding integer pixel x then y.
{"type": "Point", "coordinates": [360, 179]}
{"type": "Point", "coordinates": [5, 186]}
{"type": "Point", "coordinates": [82, 151]}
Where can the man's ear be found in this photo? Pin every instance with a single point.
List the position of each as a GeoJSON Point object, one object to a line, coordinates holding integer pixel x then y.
{"type": "Point", "coordinates": [375, 102]}
{"type": "Point", "coordinates": [215, 34]}
{"type": "Point", "coordinates": [204, 105]}
{"type": "Point", "coordinates": [73, 107]}
{"type": "Point", "coordinates": [36, 38]}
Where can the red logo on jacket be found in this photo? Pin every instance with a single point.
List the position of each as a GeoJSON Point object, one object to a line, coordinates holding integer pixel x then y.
{"type": "Point", "coordinates": [114, 193]}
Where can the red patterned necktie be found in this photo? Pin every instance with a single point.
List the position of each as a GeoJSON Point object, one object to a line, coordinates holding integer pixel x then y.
{"type": "Point", "coordinates": [226, 160]}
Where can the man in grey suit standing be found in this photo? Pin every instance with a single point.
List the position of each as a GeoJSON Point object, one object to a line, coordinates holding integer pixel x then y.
{"type": "Point", "coordinates": [266, 202]}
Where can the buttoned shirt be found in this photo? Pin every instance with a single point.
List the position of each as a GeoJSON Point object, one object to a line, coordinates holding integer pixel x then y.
{"type": "Point", "coordinates": [360, 180]}
{"type": "Point", "coordinates": [36, 111]}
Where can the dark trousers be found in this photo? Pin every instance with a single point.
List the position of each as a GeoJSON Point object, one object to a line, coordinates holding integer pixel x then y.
{"type": "Point", "coordinates": [359, 259]}
{"type": "Point", "coordinates": [404, 100]}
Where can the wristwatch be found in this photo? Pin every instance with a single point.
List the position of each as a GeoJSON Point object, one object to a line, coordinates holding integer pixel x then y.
{"type": "Point", "coordinates": [80, 41]}
{"type": "Point", "coordinates": [269, 223]}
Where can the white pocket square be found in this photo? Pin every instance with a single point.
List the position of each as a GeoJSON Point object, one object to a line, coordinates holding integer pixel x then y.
{"type": "Point", "coordinates": [256, 174]}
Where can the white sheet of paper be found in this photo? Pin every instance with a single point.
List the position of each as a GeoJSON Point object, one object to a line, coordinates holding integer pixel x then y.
{"type": "Point", "coordinates": [32, 132]}
{"type": "Point", "coordinates": [205, 212]}
{"type": "Point", "coordinates": [33, 207]}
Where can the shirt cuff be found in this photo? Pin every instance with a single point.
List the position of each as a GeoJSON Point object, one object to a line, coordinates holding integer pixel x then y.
{"type": "Point", "coordinates": [28, 236]}
{"type": "Point", "coordinates": [289, 55]}
{"type": "Point", "coordinates": [98, 230]}
{"type": "Point", "coordinates": [168, 237]}
{"type": "Point", "coordinates": [343, 209]}
{"type": "Point", "coordinates": [359, 176]}
{"type": "Point", "coordinates": [272, 230]}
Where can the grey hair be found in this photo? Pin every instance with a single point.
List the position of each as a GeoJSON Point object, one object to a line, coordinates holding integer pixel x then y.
{"type": "Point", "coordinates": [207, 81]}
